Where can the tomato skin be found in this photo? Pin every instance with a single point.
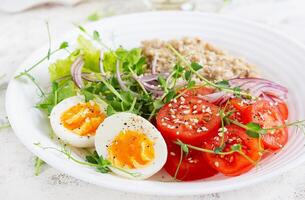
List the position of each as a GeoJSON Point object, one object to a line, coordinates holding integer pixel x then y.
{"type": "Point", "coordinates": [193, 166]}
{"type": "Point", "coordinates": [233, 164]}
{"type": "Point", "coordinates": [268, 116]}
{"type": "Point", "coordinates": [283, 108]}
{"type": "Point", "coordinates": [238, 106]}
{"type": "Point", "coordinates": [189, 119]}
{"type": "Point", "coordinates": [197, 91]}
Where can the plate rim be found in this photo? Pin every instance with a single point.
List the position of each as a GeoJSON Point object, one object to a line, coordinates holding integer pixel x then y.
{"type": "Point", "coordinates": [147, 191]}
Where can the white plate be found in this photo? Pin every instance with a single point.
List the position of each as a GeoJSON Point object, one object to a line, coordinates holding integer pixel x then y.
{"type": "Point", "coordinates": [280, 59]}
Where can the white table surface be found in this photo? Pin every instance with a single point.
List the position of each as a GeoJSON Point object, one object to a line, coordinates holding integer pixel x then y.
{"type": "Point", "coordinates": [22, 33]}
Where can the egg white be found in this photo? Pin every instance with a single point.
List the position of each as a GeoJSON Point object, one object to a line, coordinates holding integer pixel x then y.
{"type": "Point", "coordinates": [66, 135]}
{"type": "Point", "coordinates": [116, 123]}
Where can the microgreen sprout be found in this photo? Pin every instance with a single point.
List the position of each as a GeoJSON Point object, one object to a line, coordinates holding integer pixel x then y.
{"type": "Point", "coordinates": [31, 78]}
{"type": "Point", "coordinates": [4, 123]}
{"type": "Point", "coordinates": [49, 36]}
{"type": "Point", "coordinates": [94, 36]}
{"type": "Point", "coordinates": [95, 16]}
{"type": "Point", "coordinates": [38, 165]}
{"type": "Point", "coordinates": [236, 148]}
{"type": "Point", "coordinates": [184, 150]}
{"type": "Point", "coordinates": [180, 162]}
{"type": "Point", "coordinates": [3, 126]}
{"type": "Point", "coordinates": [194, 67]}
{"type": "Point", "coordinates": [62, 46]}
{"type": "Point", "coordinates": [101, 164]}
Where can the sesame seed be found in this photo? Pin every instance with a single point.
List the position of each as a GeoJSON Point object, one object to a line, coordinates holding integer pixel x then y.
{"type": "Point", "coordinates": [170, 127]}
{"type": "Point", "coordinates": [172, 153]}
{"type": "Point", "coordinates": [208, 110]}
{"type": "Point", "coordinates": [204, 128]}
{"type": "Point", "coordinates": [216, 164]}
{"type": "Point", "coordinates": [186, 111]}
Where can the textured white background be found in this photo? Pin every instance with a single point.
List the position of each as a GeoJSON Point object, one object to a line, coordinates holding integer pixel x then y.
{"type": "Point", "coordinates": [22, 33]}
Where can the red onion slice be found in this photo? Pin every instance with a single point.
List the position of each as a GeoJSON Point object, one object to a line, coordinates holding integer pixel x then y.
{"type": "Point", "coordinates": [217, 97]}
{"type": "Point", "coordinates": [118, 75]}
{"type": "Point", "coordinates": [76, 72]}
{"type": "Point", "coordinates": [258, 86]}
{"type": "Point", "coordinates": [91, 77]}
{"type": "Point", "coordinates": [153, 77]}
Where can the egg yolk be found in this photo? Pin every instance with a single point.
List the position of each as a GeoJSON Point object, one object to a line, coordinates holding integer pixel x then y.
{"type": "Point", "coordinates": [83, 118]}
{"type": "Point", "coordinates": [131, 149]}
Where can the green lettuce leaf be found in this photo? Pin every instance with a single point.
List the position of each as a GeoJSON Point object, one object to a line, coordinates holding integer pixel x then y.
{"type": "Point", "coordinates": [109, 61]}
{"type": "Point", "coordinates": [128, 58]}
{"type": "Point", "coordinates": [61, 67]}
{"type": "Point", "coordinates": [90, 54]}
{"type": "Point", "coordinates": [59, 92]}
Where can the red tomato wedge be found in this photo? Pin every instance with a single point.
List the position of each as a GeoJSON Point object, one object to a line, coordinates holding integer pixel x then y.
{"type": "Point", "coordinates": [197, 91]}
{"type": "Point", "coordinates": [237, 107]}
{"type": "Point", "coordinates": [268, 116]}
{"type": "Point", "coordinates": [189, 119]}
{"type": "Point", "coordinates": [193, 166]}
{"type": "Point", "coordinates": [283, 108]}
{"type": "Point", "coordinates": [233, 164]}
{"type": "Point", "coordinates": [281, 105]}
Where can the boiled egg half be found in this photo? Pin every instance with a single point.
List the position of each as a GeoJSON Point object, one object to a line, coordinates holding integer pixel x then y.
{"type": "Point", "coordinates": [75, 121]}
{"type": "Point", "coordinates": [134, 146]}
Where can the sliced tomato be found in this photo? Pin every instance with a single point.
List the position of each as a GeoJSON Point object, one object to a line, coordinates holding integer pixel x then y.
{"type": "Point", "coordinates": [281, 105]}
{"type": "Point", "coordinates": [268, 116]}
{"type": "Point", "coordinates": [189, 119]}
{"type": "Point", "coordinates": [193, 165]}
{"type": "Point", "coordinates": [197, 91]}
{"type": "Point", "coordinates": [239, 104]}
{"type": "Point", "coordinates": [283, 108]}
{"type": "Point", "coordinates": [233, 164]}
{"type": "Point", "coordinates": [236, 106]}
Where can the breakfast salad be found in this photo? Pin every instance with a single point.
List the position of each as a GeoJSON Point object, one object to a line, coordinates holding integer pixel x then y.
{"type": "Point", "coordinates": [182, 105]}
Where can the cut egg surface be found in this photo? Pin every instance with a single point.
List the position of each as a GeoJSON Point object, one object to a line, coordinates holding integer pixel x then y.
{"type": "Point", "coordinates": [75, 121]}
{"type": "Point", "coordinates": [134, 146]}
